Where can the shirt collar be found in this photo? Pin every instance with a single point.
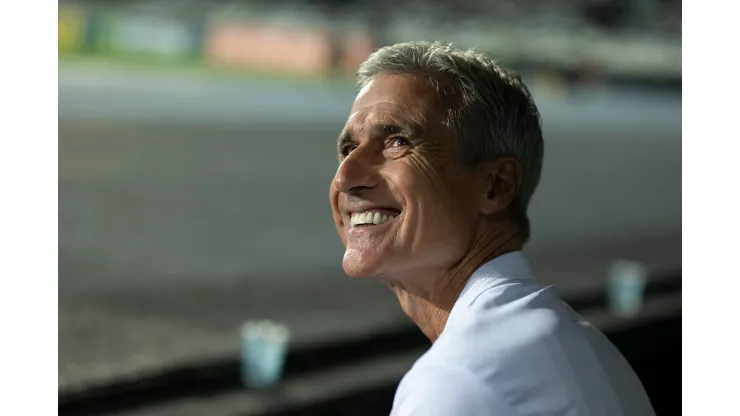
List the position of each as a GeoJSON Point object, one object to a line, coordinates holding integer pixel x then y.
{"type": "Point", "coordinates": [510, 266]}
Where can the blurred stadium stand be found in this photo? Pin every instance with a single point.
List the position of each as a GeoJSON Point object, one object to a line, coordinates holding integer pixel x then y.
{"type": "Point", "coordinates": [637, 38]}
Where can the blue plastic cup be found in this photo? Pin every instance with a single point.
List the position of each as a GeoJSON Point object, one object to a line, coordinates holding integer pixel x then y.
{"type": "Point", "coordinates": [626, 288]}
{"type": "Point", "coordinates": [263, 352]}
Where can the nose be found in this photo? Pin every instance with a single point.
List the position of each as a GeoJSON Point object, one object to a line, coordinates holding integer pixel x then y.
{"type": "Point", "coordinates": [356, 173]}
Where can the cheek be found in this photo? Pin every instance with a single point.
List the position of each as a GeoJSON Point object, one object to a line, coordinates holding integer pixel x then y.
{"type": "Point", "coordinates": [432, 203]}
{"type": "Point", "coordinates": [431, 184]}
{"type": "Point", "coordinates": [439, 210]}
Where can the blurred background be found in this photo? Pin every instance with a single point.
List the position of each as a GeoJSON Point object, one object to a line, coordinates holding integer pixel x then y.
{"type": "Point", "coordinates": [196, 146]}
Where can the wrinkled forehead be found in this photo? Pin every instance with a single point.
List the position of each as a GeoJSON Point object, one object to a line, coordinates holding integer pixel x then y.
{"type": "Point", "coordinates": [397, 98]}
{"type": "Point", "coordinates": [384, 113]}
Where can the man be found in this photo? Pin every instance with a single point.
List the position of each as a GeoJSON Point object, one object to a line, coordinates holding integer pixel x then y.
{"type": "Point", "coordinates": [439, 159]}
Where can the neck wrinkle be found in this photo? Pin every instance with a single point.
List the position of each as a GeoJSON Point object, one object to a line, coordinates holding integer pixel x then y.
{"type": "Point", "coordinates": [431, 315]}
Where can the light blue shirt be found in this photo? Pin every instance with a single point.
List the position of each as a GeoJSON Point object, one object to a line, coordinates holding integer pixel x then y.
{"type": "Point", "coordinates": [512, 347]}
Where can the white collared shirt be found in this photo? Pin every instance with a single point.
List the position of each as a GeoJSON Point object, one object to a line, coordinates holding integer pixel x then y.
{"type": "Point", "coordinates": [512, 347]}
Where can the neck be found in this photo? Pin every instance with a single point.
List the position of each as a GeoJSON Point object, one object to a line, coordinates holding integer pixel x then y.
{"type": "Point", "coordinates": [429, 304]}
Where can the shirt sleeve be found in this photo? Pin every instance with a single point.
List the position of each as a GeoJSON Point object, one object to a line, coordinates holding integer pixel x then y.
{"type": "Point", "coordinates": [438, 390]}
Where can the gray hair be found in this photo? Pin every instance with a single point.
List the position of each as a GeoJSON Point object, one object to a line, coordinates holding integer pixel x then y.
{"type": "Point", "coordinates": [494, 114]}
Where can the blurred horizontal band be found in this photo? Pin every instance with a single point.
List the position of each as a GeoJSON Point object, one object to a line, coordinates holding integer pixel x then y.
{"type": "Point", "coordinates": [210, 379]}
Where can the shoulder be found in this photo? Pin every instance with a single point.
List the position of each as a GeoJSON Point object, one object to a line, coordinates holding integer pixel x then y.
{"type": "Point", "coordinates": [481, 361]}
{"type": "Point", "coordinates": [523, 343]}
{"type": "Point", "coordinates": [442, 390]}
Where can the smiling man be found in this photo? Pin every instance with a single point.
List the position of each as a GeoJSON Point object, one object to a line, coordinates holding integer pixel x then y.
{"type": "Point", "coordinates": [439, 159]}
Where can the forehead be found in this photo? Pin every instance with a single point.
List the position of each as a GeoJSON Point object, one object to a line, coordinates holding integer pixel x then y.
{"type": "Point", "coordinates": [397, 97]}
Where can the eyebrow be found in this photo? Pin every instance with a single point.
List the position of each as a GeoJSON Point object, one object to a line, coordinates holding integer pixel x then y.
{"type": "Point", "coordinates": [382, 129]}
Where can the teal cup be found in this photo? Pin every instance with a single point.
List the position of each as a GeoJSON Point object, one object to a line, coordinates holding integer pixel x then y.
{"type": "Point", "coordinates": [264, 347]}
{"type": "Point", "coordinates": [626, 288]}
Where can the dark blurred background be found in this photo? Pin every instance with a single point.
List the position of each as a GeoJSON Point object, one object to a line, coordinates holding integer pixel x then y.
{"type": "Point", "coordinates": [196, 147]}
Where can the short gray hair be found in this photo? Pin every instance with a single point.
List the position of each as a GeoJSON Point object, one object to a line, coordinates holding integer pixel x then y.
{"type": "Point", "coordinates": [494, 114]}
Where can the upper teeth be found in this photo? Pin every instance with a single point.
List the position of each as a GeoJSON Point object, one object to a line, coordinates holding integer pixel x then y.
{"type": "Point", "coordinates": [369, 217]}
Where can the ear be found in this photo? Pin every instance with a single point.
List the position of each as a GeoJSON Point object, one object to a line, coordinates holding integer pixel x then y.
{"type": "Point", "coordinates": [504, 177]}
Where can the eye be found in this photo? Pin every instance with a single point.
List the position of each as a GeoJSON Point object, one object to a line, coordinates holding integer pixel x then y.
{"type": "Point", "coordinates": [345, 150]}
{"type": "Point", "coordinates": [400, 142]}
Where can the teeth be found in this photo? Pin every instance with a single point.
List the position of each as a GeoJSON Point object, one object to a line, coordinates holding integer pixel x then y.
{"type": "Point", "coordinates": [369, 217]}
{"type": "Point", "coordinates": [377, 217]}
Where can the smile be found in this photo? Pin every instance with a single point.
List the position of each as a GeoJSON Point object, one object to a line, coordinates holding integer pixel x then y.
{"type": "Point", "coordinates": [370, 218]}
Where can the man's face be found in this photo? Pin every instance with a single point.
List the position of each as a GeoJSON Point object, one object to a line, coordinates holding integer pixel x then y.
{"type": "Point", "coordinates": [400, 202]}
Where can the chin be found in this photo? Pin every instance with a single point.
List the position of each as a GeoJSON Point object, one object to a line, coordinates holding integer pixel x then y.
{"type": "Point", "coordinates": [360, 265]}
